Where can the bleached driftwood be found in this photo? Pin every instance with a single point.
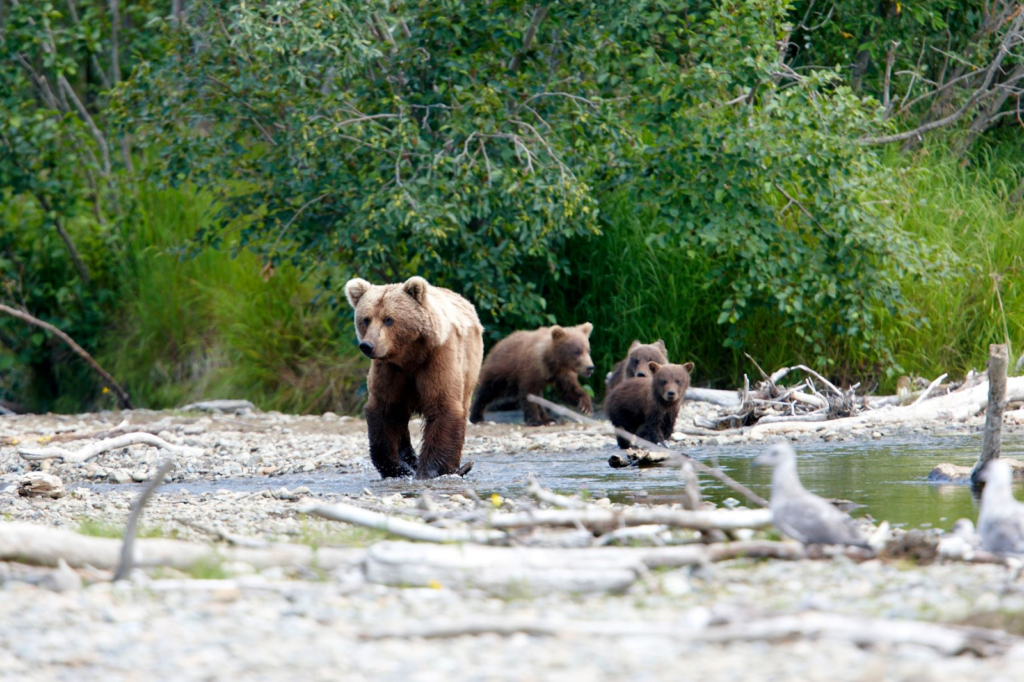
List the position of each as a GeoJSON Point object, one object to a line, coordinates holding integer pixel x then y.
{"type": "Point", "coordinates": [729, 399]}
{"type": "Point", "coordinates": [534, 490]}
{"type": "Point", "coordinates": [409, 530]}
{"type": "Point", "coordinates": [98, 448]}
{"type": "Point", "coordinates": [946, 639]}
{"type": "Point", "coordinates": [219, 406]}
{"type": "Point", "coordinates": [533, 570]}
{"type": "Point", "coordinates": [717, 474]}
{"type": "Point", "coordinates": [602, 519]}
{"type": "Point", "coordinates": [928, 391]}
{"type": "Point", "coordinates": [125, 426]}
{"type": "Point", "coordinates": [39, 545]}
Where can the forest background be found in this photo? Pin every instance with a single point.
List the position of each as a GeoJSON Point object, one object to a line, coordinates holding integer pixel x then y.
{"type": "Point", "coordinates": [185, 185]}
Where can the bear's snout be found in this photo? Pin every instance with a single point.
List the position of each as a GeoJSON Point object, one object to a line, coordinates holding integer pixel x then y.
{"type": "Point", "coordinates": [367, 348]}
{"type": "Point", "coordinates": [587, 371]}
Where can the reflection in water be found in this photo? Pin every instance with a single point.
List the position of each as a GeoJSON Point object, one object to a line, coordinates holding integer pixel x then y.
{"type": "Point", "coordinates": [887, 476]}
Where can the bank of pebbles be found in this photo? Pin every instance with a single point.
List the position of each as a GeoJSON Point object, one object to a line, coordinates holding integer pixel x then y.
{"type": "Point", "coordinates": [278, 624]}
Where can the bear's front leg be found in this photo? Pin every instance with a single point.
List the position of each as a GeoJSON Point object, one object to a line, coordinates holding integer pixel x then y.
{"type": "Point", "coordinates": [387, 420]}
{"type": "Point", "coordinates": [572, 393]}
{"type": "Point", "coordinates": [655, 428]}
{"type": "Point", "coordinates": [444, 423]}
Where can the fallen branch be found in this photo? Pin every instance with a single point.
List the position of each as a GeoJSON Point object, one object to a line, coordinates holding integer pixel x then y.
{"type": "Point", "coordinates": [124, 568]}
{"type": "Point", "coordinates": [409, 530]}
{"type": "Point", "coordinates": [945, 639]}
{"type": "Point", "coordinates": [714, 396]}
{"type": "Point", "coordinates": [603, 519]}
{"type": "Point", "coordinates": [717, 474]}
{"type": "Point", "coordinates": [928, 391]}
{"type": "Point", "coordinates": [537, 570]}
{"type": "Point", "coordinates": [540, 494]}
{"type": "Point", "coordinates": [99, 447]}
{"type": "Point", "coordinates": [219, 406]}
{"type": "Point", "coordinates": [43, 546]}
{"type": "Point", "coordinates": [122, 395]}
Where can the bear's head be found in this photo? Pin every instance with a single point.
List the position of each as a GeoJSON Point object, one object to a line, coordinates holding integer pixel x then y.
{"type": "Point", "coordinates": [641, 354]}
{"type": "Point", "coordinates": [571, 348]}
{"type": "Point", "coordinates": [391, 318]}
{"type": "Point", "coordinates": [669, 382]}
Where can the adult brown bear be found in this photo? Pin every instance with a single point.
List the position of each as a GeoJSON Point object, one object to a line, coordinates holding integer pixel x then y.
{"type": "Point", "coordinates": [426, 345]}
{"type": "Point", "coordinates": [525, 362]}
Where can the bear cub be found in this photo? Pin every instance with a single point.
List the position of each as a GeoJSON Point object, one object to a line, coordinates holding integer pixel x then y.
{"type": "Point", "coordinates": [526, 361]}
{"type": "Point", "coordinates": [636, 361]}
{"type": "Point", "coordinates": [648, 406]}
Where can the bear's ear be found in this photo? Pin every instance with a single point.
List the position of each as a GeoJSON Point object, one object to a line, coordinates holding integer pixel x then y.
{"type": "Point", "coordinates": [354, 290]}
{"type": "Point", "coordinates": [653, 366]}
{"type": "Point", "coordinates": [557, 333]}
{"type": "Point", "coordinates": [688, 367]}
{"type": "Point", "coordinates": [661, 344]}
{"type": "Point", "coordinates": [633, 346]}
{"type": "Point", "coordinates": [586, 328]}
{"type": "Point", "coordinates": [417, 288]}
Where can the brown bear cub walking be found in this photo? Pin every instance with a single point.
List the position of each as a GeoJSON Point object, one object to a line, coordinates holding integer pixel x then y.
{"type": "Point", "coordinates": [648, 406]}
{"type": "Point", "coordinates": [635, 364]}
{"type": "Point", "coordinates": [525, 362]}
{"type": "Point", "coordinates": [426, 344]}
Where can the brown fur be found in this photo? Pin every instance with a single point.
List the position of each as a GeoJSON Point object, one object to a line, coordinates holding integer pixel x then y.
{"type": "Point", "coordinates": [635, 362]}
{"type": "Point", "coordinates": [426, 344]}
{"type": "Point", "coordinates": [525, 362]}
{"type": "Point", "coordinates": [648, 406]}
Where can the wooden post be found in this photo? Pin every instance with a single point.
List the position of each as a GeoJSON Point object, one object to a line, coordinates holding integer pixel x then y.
{"type": "Point", "coordinates": [997, 362]}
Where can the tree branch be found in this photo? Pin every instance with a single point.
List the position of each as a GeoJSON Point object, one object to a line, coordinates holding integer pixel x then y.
{"type": "Point", "coordinates": [109, 380]}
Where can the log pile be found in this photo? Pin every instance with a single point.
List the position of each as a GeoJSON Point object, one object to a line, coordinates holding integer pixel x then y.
{"type": "Point", "coordinates": [813, 403]}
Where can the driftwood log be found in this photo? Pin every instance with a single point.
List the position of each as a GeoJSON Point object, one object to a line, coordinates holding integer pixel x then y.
{"type": "Point", "coordinates": [505, 570]}
{"type": "Point", "coordinates": [949, 640]}
{"type": "Point", "coordinates": [99, 447]}
{"type": "Point", "coordinates": [42, 546]}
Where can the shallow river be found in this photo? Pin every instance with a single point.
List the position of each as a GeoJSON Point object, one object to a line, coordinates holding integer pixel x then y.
{"type": "Point", "coordinates": [887, 476]}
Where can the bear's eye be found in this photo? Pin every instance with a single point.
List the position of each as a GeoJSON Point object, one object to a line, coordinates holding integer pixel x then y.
{"type": "Point", "coordinates": [579, 352]}
{"type": "Point", "coordinates": [388, 321]}
{"type": "Point", "coordinates": [366, 321]}
{"type": "Point", "coordinates": [663, 382]}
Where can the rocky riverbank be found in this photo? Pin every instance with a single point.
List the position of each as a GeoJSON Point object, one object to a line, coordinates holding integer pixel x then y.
{"type": "Point", "coordinates": [242, 477]}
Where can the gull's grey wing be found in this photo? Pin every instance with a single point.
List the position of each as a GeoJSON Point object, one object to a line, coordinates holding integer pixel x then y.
{"type": "Point", "coordinates": [1003, 534]}
{"type": "Point", "coordinates": [812, 520]}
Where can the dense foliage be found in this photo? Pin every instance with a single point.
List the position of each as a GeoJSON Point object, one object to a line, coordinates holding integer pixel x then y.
{"type": "Point", "coordinates": [700, 170]}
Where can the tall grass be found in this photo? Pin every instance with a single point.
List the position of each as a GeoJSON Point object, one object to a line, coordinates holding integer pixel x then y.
{"type": "Point", "coordinates": [631, 287]}
{"type": "Point", "coordinates": [962, 209]}
{"type": "Point", "coordinates": [217, 326]}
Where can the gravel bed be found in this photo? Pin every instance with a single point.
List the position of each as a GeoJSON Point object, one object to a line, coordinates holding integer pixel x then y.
{"type": "Point", "coordinates": [280, 624]}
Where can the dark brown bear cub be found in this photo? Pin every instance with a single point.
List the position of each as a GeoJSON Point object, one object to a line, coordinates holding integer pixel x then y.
{"type": "Point", "coordinates": [525, 362]}
{"type": "Point", "coordinates": [636, 361]}
{"type": "Point", "coordinates": [648, 406]}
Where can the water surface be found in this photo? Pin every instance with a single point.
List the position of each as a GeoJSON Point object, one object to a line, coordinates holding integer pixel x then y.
{"type": "Point", "coordinates": [888, 476]}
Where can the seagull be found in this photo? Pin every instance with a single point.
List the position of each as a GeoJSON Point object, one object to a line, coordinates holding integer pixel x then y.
{"type": "Point", "coordinates": [1001, 519]}
{"type": "Point", "coordinates": [801, 514]}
